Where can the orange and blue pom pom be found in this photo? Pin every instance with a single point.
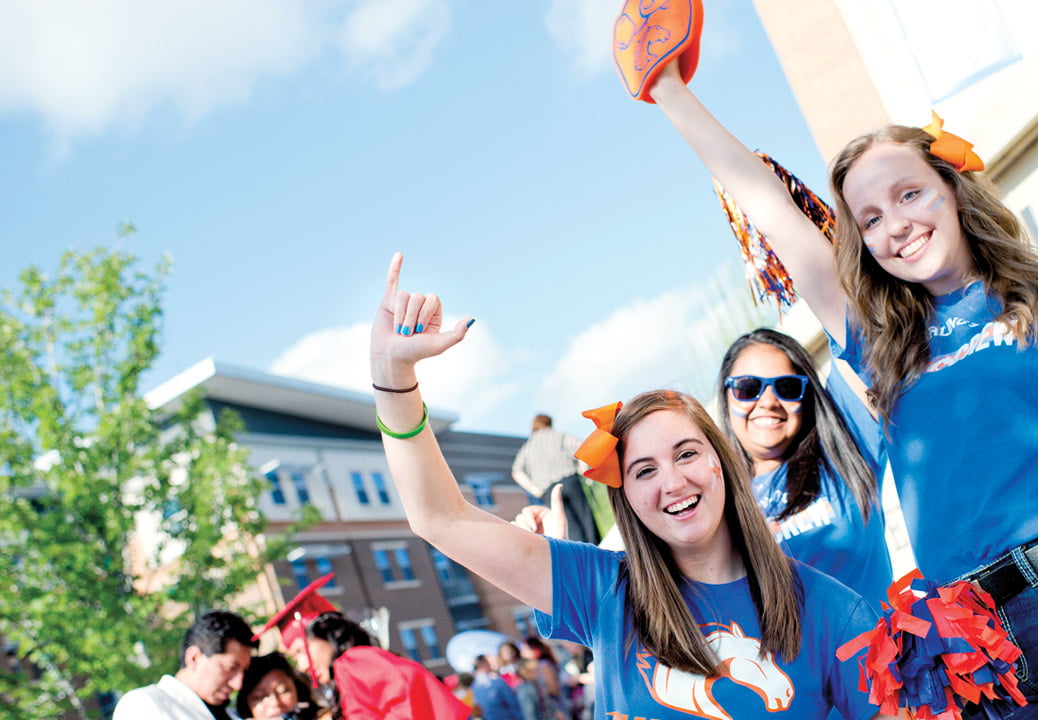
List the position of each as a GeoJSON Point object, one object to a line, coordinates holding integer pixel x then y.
{"type": "Point", "coordinates": [765, 273]}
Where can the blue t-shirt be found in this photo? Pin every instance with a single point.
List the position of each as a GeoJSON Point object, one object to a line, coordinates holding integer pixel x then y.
{"type": "Point", "coordinates": [496, 698]}
{"type": "Point", "coordinates": [964, 438]}
{"type": "Point", "coordinates": [830, 534]}
{"type": "Point", "coordinates": [588, 608]}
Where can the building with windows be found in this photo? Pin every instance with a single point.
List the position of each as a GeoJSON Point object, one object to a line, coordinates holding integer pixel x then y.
{"type": "Point", "coordinates": [856, 65]}
{"type": "Point", "coordinates": [318, 446]}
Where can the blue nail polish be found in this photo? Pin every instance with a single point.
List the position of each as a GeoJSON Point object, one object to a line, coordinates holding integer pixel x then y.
{"type": "Point", "coordinates": [469, 323]}
{"type": "Point", "coordinates": [398, 326]}
{"type": "Point", "coordinates": [407, 330]}
{"type": "Point", "coordinates": [418, 328]}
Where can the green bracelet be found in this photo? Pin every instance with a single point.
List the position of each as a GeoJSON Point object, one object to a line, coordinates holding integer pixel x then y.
{"type": "Point", "coordinates": [410, 433]}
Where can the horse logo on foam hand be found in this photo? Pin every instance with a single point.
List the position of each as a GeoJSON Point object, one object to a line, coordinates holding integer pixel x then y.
{"type": "Point", "coordinates": [641, 37]}
{"type": "Point", "coordinates": [741, 662]}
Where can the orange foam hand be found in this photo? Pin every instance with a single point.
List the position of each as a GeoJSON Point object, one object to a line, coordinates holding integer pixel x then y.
{"type": "Point", "coordinates": [648, 34]}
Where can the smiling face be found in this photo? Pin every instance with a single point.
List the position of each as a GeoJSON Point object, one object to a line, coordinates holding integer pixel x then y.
{"type": "Point", "coordinates": [673, 482]}
{"type": "Point", "coordinates": [273, 695]}
{"type": "Point", "coordinates": [322, 653]}
{"type": "Point", "coordinates": [908, 217]}
{"type": "Point", "coordinates": [767, 427]}
{"type": "Point", "coordinates": [215, 677]}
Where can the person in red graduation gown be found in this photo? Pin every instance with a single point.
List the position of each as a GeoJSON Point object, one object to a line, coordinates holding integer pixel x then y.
{"type": "Point", "coordinates": [369, 683]}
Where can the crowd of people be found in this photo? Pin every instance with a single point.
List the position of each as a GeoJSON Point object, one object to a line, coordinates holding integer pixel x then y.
{"type": "Point", "coordinates": [753, 546]}
{"type": "Point", "coordinates": [332, 668]}
{"type": "Point", "coordinates": [528, 680]}
{"type": "Point", "coordinates": [928, 292]}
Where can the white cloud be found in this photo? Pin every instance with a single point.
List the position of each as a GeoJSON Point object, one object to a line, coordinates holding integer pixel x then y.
{"type": "Point", "coordinates": [583, 29]}
{"type": "Point", "coordinates": [393, 40]}
{"type": "Point", "coordinates": [471, 379]}
{"type": "Point", "coordinates": [675, 340]}
{"type": "Point", "coordinates": [86, 66]}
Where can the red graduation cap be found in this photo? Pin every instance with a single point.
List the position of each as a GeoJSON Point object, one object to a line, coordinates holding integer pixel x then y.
{"type": "Point", "coordinates": [299, 612]}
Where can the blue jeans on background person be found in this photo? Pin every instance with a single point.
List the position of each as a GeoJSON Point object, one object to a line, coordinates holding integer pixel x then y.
{"type": "Point", "coordinates": [1019, 615]}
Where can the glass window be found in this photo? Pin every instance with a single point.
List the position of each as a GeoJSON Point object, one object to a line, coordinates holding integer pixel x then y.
{"type": "Point", "coordinates": [410, 644]}
{"type": "Point", "coordinates": [360, 488]}
{"type": "Point", "coordinates": [276, 492]}
{"type": "Point", "coordinates": [299, 481]}
{"type": "Point", "coordinates": [382, 561]}
{"type": "Point", "coordinates": [524, 622]}
{"type": "Point", "coordinates": [432, 644]}
{"type": "Point", "coordinates": [380, 487]}
{"type": "Point", "coordinates": [300, 572]}
{"type": "Point", "coordinates": [324, 566]}
{"type": "Point", "coordinates": [403, 561]}
{"type": "Point", "coordinates": [481, 493]}
{"type": "Point", "coordinates": [442, 563]}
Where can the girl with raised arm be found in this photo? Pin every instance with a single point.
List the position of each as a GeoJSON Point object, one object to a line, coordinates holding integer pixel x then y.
{"type": "Point", "coordinates": [930, 292]}
{"type": "Point", "coordinates": [702, 615]}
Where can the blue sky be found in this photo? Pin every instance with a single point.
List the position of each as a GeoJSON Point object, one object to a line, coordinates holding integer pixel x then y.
{"type": "Point", "coordinates": [281, 151]}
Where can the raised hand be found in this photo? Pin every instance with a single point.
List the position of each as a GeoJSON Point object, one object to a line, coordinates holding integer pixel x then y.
{"type": "Point", "coordinates": [547, 521]}
{"type": "Point", "coordinates": [408, 328]}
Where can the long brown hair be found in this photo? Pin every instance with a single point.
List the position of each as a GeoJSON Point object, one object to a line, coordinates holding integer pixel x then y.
{"type": "Point", "coordinates": [824, 442]}
{"type": "Point", "coordinates": [661, 620]}
{"type": "Point", "coordinates": [894, 314]}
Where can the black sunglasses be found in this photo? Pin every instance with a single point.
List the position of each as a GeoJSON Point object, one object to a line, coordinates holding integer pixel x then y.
{"type": "Point", "coordinates": [750, 387]}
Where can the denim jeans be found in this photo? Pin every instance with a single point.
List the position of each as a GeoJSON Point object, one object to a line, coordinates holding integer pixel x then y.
{"type": "Point", "coordinates": [1019, 615]}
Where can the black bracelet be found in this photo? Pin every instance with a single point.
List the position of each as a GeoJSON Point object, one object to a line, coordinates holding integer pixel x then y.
{"type": "Point", "coordinates": [393, 390]}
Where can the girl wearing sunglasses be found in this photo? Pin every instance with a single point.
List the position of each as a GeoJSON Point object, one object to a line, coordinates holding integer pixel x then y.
{"type": "Point", "coordinates": [701, 616]}
{"type": "Point", "coordinates": [929, 291]}
{"type": "Point", "coordinates": [814, 457]}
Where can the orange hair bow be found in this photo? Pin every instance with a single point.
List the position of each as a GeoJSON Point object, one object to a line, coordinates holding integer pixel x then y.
{"type": "Point", "coordinates": [952, 148]}
{"type": "Point", "coordinates": [599, 449]}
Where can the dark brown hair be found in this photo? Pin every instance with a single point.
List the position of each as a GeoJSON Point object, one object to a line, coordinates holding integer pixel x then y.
{"type": "Point", "coordinates": [824, 440]}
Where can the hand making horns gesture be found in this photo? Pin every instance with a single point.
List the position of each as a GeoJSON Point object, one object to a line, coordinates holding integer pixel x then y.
{"type": "Point", "coordinates": [408, 328]}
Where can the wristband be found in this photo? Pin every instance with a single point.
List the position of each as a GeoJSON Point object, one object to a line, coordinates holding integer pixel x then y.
{"type": "Point", "coordinates": [409, 433]}
{"type": "Point", "coordinates": [394, 390]}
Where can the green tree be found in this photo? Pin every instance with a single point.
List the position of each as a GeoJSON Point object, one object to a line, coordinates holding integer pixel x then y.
{"type": "Point", "coordinates": [83, 461]}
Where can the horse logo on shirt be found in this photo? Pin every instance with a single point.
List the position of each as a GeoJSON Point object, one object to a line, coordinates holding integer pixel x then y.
{"type": "Point", "coordinates": [741, 662]}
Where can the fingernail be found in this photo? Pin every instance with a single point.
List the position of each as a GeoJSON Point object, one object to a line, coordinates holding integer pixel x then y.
{"type": "Point", "coordinates": [418, 328]}
{"type": "Point", "coordinates": [469, 323]}
{"type": "Point", "coordinates": [398, 326]}
{"type": "Point", "coordinates": [407, 330]}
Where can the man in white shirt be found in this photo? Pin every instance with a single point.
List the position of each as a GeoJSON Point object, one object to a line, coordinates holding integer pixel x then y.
{"type": "Point", "coordinates": [215, 652]}
{"type": "Point", "coordinates": [545, 460]}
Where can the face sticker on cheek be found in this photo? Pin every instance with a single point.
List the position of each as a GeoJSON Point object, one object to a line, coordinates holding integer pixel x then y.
{"type": "Point", "coordinates": [868, 245]}
{"type": "Point", "coordinates": [933, 200]}
{"type": "Point", "coordinates": [739, 410]}
{"type": "Point", "coordinates": [715, 467]}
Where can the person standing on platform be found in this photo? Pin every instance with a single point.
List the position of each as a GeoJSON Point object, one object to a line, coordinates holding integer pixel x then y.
{"type": "Point", "coordinates": [545, 460]}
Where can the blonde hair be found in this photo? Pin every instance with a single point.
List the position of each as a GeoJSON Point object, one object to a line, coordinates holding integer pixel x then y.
{"type": "Point", "coordinates": [893, 314]}
{"type": "Point", "coordinates": [661, 620]}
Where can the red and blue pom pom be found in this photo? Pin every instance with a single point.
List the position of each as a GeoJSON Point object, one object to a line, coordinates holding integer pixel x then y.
{"type": "Point", "coordinates": [935, 649]}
